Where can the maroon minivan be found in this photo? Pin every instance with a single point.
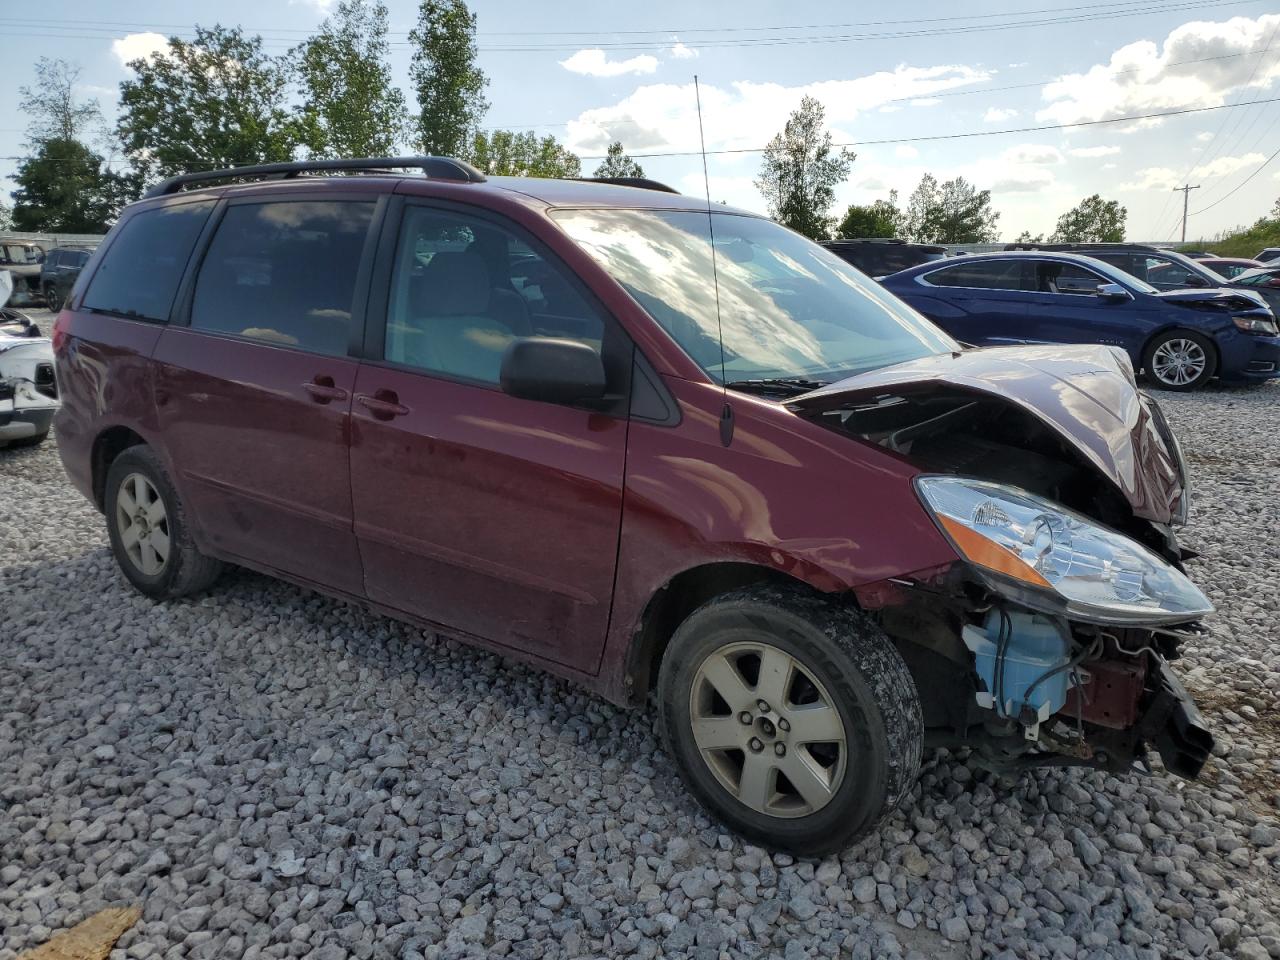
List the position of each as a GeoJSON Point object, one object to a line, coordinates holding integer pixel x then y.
{"type": "Point", "coordinates": [653, 448]}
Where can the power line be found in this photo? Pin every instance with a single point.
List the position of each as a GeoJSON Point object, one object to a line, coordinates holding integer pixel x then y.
{"type": "Point", "coordinates": [1238, 185]}
{"type": "Point", "coordinates": [275, 43]}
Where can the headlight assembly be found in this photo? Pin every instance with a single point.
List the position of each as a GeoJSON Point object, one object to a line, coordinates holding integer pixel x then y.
{"type": "Point", "coordinates": [1051, 558]}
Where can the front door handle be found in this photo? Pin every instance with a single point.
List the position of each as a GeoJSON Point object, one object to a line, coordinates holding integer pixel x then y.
{"type": "Point", "coordinates": [382, 404]}
{"type": "Point", "coordinates": [322, 390]}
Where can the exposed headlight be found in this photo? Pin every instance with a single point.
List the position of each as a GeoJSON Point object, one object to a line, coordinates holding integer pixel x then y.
{"type": "Point", "coordinates": [1056, 559]}
{"type": "Point", "coordinates": [1256, 325]}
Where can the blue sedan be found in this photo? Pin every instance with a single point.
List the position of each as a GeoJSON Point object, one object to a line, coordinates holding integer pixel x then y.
{"type": "Point", "coordinates": [1181, 338]}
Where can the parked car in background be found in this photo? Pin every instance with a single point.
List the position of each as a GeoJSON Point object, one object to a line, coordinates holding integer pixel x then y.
{"type": "Point", "coordinates": [1197, 254]}
{"type": "Point", "coordinates": [1181, 338]}
{"type": "Point", "coordinates": [1268, 254]}
{"type": "Point", "coordinates": [1230, 267]}
{"type": "Point", "coordinates": [1163, 269]}
{"type": "Point", "coordinates": [22, 259]}
{"type": "Point", "coordinates": [1265, 282]}
{"type": "Point", "coordinates": [881, 257]}
{"type": "Point", "coordinates": [28, 391]}
{"type": "Point", "coordinates": [553, 418]}
{"type": "Point", "coordinates": [58, 273]}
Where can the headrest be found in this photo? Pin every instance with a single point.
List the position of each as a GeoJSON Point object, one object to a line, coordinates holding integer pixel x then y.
{"type": "Point", "coordinates": [454, 284]}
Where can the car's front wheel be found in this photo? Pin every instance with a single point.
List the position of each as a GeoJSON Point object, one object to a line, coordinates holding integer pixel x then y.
{"type": "Point", "coordinates": [1180, 360]}
{"type": "Point", "coordinates": [792, 718]}
{"type": "Point", "coordinates": [148, 530]}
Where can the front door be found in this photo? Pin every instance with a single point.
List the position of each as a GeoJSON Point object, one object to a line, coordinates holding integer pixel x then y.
{"type": "Point", "coordinates": [490, 515]}
{"type": "Point", "coordinates": [254, 393]}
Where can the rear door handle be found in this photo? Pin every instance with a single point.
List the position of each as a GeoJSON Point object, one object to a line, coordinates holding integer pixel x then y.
{"type": "Point", "coordinates": [382, 404]}
{"type": "Point", "coordinates": [322, 390]}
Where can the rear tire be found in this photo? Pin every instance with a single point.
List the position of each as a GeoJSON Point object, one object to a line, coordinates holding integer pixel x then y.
{"type": "Point", "coordinates": [1180, 360]}
{"type": "Point", "coordinates": [148, 529]}
{"type": "Point", "coordinates": [792, 718]}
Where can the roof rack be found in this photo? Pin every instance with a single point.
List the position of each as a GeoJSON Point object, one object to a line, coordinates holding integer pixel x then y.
{"type": "Point", "coordinates": [1070, 247]}
{"type": "Point", "coordinates": [640, 183]}
{"type": "Point", "coordinates": [438, 168]}
{"type": "Point", "coordinates": [864, 240]}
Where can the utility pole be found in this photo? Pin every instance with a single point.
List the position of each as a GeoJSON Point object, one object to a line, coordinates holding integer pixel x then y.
{"type": "Point", "coordinates": [1186, 191]}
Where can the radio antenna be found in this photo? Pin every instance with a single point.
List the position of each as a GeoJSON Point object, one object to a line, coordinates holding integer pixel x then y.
{"type": "Point", "coordinates": [726, 412]}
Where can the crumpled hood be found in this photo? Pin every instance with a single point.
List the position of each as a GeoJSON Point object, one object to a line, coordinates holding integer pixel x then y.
{"type": "Point", "coordinates": [1086, 393]}
{"type": "Point", "coordinates": [1229, 298]}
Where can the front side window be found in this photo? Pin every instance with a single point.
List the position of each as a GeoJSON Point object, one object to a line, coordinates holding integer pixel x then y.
{"type": "Point", "coordinates": [1011, 274]}
{"type": "Point", "coordinates": [1068, 278]}
{"type": "Point", "coordinates": [787, 307]}
{"type": "Point", "coordinates": [463, 288]}
{"type": "Point", "coordinates": [284, 273]}
{"type": "Point", "coordinates": [140, 273]}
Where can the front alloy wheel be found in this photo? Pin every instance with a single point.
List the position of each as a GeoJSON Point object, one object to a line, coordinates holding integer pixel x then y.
{"type": "Point", "coordinates": [1180, 360]}
{"type": "Point", "coordinates": [791, 716]}
{"type": "Point", "coordinates": [767, 730]}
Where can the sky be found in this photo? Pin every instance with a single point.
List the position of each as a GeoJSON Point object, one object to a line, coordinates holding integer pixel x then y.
{"type": "Point", "coordinates": [949, 89]}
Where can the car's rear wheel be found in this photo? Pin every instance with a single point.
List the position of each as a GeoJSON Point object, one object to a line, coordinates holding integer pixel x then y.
{"type": "Point", "coordinates": [1180, 360]}
{"type": "Point", "coordinates": [792, 718]}
{"type": "Point", "coordinates": [147, 527]}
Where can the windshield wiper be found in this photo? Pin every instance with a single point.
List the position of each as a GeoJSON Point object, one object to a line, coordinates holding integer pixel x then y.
{"type": "Point", "coordinates": [787, 386]}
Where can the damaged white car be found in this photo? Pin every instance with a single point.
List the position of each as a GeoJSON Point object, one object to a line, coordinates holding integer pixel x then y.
{"type": "Point", "coordinates": [28, 392]}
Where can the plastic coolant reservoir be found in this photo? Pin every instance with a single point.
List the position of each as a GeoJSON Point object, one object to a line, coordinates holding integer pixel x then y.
{"type": "Point", "coordinates": [1036, 645]}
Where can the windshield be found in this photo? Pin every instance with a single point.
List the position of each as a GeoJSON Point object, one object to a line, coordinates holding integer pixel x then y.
{"type": "Point", "coordinates": [788, 308]}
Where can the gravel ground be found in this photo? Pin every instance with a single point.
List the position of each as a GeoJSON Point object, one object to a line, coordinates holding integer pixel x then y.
{"type": "Point", "coordinates": [271, 773]}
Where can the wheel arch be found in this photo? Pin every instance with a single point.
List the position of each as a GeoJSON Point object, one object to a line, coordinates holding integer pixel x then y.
{"type": "Point", "coordinates": [108, 445]}
{"type": "Point", "coordinates": [672, 603]}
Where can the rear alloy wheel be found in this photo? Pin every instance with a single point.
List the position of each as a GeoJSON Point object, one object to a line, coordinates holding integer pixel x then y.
{"type": "Point", "coordinates": [147, 526]}
{"type": "Point", "coordinates": [791, 717]}
{"type": "Point", "coordinates": [1180, 360]}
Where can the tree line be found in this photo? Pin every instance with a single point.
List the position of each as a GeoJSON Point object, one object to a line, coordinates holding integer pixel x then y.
{"type": "Point", "coordinates": [221, 100]}
{"type": "Point", "coordinates": [802, 168]}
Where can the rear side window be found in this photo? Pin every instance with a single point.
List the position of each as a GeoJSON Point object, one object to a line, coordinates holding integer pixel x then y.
{"type": "Point", "coordinates": [140, 273]}
{"type": "Point", "coordinates": [986, 275]}
{"type": "Point", "coordinates": [1058, 277]}
{"type": "Point", "coordinates": [284, 273]}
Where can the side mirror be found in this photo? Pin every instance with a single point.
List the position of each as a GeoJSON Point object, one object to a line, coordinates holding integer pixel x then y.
{"type": "Point", "coordinates": [1273, 282]}
{"type": "Point", "coordinates": [551, 370]}
{"type": "Point", "coordinates": [1112, 292]}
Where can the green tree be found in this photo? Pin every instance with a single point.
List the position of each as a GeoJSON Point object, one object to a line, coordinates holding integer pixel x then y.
{"type": "Point", "coordinates": [801, 170]}
{"type": "Point", "coordinates": [449, 85]}
{"type": "Point", "coordinates": [65, 188]}
{"type": "Point", "coordinates": [1026, 237]}
{"type": "Point", "coordinates": [6, 218]}
{"type": "Point", "coordinates": [879, 219]}
{"type": "Point", "coordinates": [511, 154]}
{"type": "Point", "coordinates": [216, 101]}
{"type": "Point", "coordinates": [350, 106]}
{"type": "Point", "coordinates": [52, 110]}
{"type": "Point", "coordinates": [953, 212]}
{"type": "Point", "coordinates": [618, 164]}
{"type": "Point", "coordinates": [1093, 220]}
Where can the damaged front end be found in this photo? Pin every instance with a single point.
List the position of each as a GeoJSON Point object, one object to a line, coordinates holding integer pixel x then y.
{"type": "Point", "coordinates": [1058, 484]}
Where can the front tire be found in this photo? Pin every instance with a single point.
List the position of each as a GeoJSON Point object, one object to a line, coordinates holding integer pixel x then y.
{"type": "Point", "coordinates": [792, 718]}
{"type": "Point", "coordinates": [1180, 360]}
{"type": "Point", "coordinates": [147, 527]}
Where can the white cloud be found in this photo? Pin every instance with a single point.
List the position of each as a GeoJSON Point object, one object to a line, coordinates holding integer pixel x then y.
{"type": "Point", "coordinates": [905, 151]}
{"type": "Point", "coordinates": [1031, 154]}
{"type": "Point", "coordinates": [1109, 166]}
{"type": "Point", "coordinates": [925, 102]}
{"type": "Point", "coordinates": [1143, 77]}
{"type": "Point", "coordinates": [1163, 178]}
{"type": "Point", "coordinates": [680, 52]}
{"type": "Point", "coordinates": [1204, 136]}
{"type": "Point", "coordinates": [594, 63]}
{"type": "Point", "coordinates": [324, 6]}
{"type": "Point", "coordinates": [661, 116]}
{"type": "Point", "coordinates": [996, 114]}
{"type": "Point", "coordinates": [1093, 151]}
{"type": "Point", "coordinates": [135, 46]}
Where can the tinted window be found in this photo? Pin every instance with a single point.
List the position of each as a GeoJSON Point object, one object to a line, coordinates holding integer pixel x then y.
{"type": "Point", "coordinates": [1057, 277]}
{"type": "Point", "coordinates": [140, 272]}
{"type": "Point", "coordinates": [986, 275]}
{"type": "Point", "coordinates": [80, 258]}
{"type": "Point", "coordinates": [882, 259]}
{"type": "Point", "coordinates": [464, 288]}
{"type": "Point", "coordinates": [787, 307]}
{"type": "Point", "coordinates": [284, 273]}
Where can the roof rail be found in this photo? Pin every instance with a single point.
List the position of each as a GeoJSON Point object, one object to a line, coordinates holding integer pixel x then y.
{"type": "Point", "coordinates": [1083, 245]}
{"type": "Point", "coordinates": [439, 168]}
{"type": "Point", "coordinates": [640, 183]}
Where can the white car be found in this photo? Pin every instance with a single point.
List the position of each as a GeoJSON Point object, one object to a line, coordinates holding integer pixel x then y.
{"type": "Point", "coordinates": [28, 393]}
